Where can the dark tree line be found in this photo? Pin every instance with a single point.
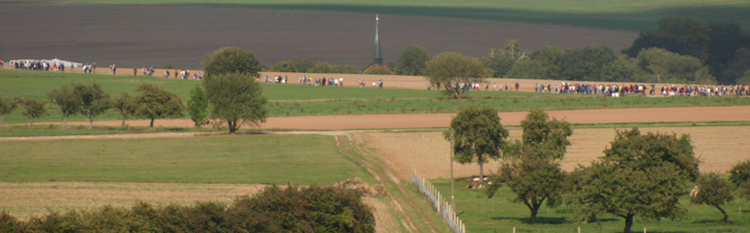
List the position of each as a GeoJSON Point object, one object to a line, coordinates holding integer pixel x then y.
{"type": "Point", "coordinates": [275, 209]}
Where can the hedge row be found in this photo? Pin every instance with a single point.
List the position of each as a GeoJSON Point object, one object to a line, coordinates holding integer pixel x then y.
{"type": "Point", "coordinates": [291, 209]}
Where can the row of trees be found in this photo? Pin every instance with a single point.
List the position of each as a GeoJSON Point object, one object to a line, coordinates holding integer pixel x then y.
{"type": "Point", "coordinates": [229, 91]}
{"type": "Point", "coordinates": [638, 175]}
{"type": "Point", "coordinates": [91, 101]}
{"type": "Point", "coordinates": [305, 66]}
{"type": "Point", "coordinates": [275, 209]}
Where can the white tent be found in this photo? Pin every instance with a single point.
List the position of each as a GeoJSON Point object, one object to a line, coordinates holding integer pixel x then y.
{"type": "Point", "coordinates": [54, 61]}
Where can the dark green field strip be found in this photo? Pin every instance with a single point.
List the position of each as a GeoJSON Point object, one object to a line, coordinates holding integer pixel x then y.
{"type": "Point", "coordinates": [639, 15]}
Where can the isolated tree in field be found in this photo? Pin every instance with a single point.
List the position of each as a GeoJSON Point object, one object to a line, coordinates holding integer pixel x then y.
{"type": "Point", "coordinates": [67, 100]}
{"type": "Point", "coordinates": [125, 104]}
{"type": "Point", "coordinates": [713, 190]}
{"type": "Point", "coordinates": [450, 69]}
{"type": "Point", "coordinates": [412, 61]}
{"type": "Point", "coordinates": [739, 175]}
{"type": "Point", "coordinates": [542, 137]}
{"type": "Point", "coordinates": [7, 105]}
{"type": "Point", "coordinates": [237, 99]}
{"type": "Point", "coordinates": [33, 109]}
{"type": "Point", "coordinates": [640, 175]}
{"type": "Point", "coordinates": [231, 60]}
{"type": "Point", "coordinates": [94, 100]}
{"type": "Point", "coordinates": [478, 136]}
{"type": "Point", "coordinates": [155, 102]}
{"type": "Point", "coordinates": [533, 179]}
{"type": "Point", "coordinates": [198, 106]}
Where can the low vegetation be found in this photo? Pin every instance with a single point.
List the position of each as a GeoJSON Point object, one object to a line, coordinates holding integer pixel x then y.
{"type": "Point", "coordinates": [275, 209]}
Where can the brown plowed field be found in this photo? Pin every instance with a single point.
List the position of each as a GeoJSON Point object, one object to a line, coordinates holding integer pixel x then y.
{"type": "Point", "coordinates": [399, 121]}
{"type": "Point", "coordinates": [154, 35]}
{"type": "Point", "coordinates": [718, 147]}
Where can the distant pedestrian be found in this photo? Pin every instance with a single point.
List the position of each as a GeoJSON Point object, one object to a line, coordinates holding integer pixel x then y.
{"type": "Point", "coordinates": [135, 71]}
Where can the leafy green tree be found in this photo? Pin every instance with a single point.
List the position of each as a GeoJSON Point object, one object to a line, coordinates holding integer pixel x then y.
{"type": "Point", "coordinates": [125, 104]}
{"type": "Point", "coordinates": [7, 105]}
{"type": "Point", "coordinates": [412, 61]}
{"type": "Point", "coordinates": [284, 66]}
{"type": "Point", "coordinates": [502, 60]}
{"type": "Point", "coordinates": [712, 189]}
{"type": "Point", "coordinates": [533, 179]}
{"type": "Point", "coordinates": [67, 100]}
{"type": "Point", "coordinates": [667, 67]}
{"type": "Point", "coordinates": [724, 41]}
{"type": "Point", "coordinates": [155, 102]}
{"type": "Point", "coordinates": [33, 109]}
{"type": "Point", "coordinates": [303, 65]}
{"type": "Point", "coordinates": [585, 64]}
{"type": "Point", "coordinates": [350, 69]}
{"type": "Point", "coordinates": [685, 36]}
{"type": "Point", "coordinates": [231, 60]}
{"type": "Point", "coordinates": [745, 80]}
{"type": "Point", "coordinates": [94, 100]}
{"type": "Point", "coordinates": [549, 57]}
{"type": "Point", "coordinates": [622, 69]}
{"type": "Point", "coordinates": [640, 175]}
{"type": "Point", "coordinates": [542, 137]}
{"type": "Point", "coordinates": [237, 99]}
{"type": "Point", "coordinates": [478, 136]}
{"type": "Point", "coordinates": [379, 70]}
{"type": "Point", "coordinates": [527, 69]}
{"type": "Point", "coordinates": [740, 173]}
{"type": "Point", "coordinates": [449, 69]}
{"type": "Point", "coordinates": [198, 106]}
{"type": "Point", "coordinates": [324, 67]}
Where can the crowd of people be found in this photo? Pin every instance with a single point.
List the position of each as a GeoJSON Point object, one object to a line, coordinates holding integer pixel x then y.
{"type": "Point", "coordinates": [332, 81]}
{"type": "Point", "coordinates": [37, 65]}
{"type": "Point", "coordinates": [616, 90]}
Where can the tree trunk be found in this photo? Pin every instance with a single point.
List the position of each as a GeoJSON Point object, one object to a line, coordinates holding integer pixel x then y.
{"type": "Point", "coordinates": [152, 123]}
{"type": "Point", "coordinates": [123, 122]}
{"type": "Point", "coordinates": [534, 211]}
{"type": "Point", "coordinates": [65, 120]}
{"type": "Point", "coordinates": [232, 126]}
{"type": "Point", "coordinates": [726, 216]}
{"type": "Point", "coordinates": [628, 223]}
{"type": "Point", "coordinates": [31, 125]}
{"type": "Point", "coordinates": [91, 122]}
{"type": "Point", "coordinates": [1, 119]}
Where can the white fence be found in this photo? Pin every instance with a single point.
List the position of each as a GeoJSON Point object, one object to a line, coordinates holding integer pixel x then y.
{"type": "Point", "coordinates": [439, 202]}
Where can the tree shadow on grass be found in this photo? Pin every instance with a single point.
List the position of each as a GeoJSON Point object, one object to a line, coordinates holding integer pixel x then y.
{"type": "Point", "coordinates": [715, 221]}
{"type": "Point", "coordinates": [546, 220]}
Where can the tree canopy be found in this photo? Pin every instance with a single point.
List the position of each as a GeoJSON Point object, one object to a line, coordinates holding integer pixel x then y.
{"type": "Point", "coordinates": [739, 175]}
{"type": "Point", "coordinates": [640, 175]}
{"type": "Point", "coordinates": [125, 104]}
{"type": "Point", "coordinates": [66, 100]}
{"type": "Point", "coordinates": [450, 69]}
{"type": "Point", "coordinates": [533, 179]}
{"type": "Point", "coordinates": [542, 137]}
{"type": "Point", "coordinates": [33, 108]}
{"type": "Point", "coordinates": [155, 102]}
{"type": "Point", "coordinates": [237, 99]}
{"type": "Point", "coordinates": [412, 61]}
{"type": "Point", "coordinates": [711, 189]}
{"type": "Point", "coordinates": [477, 135]}
{"type": "Point", "coordinates": [231, 60]}
{"type": "Point", "coordinates": [7, 105]}
{"type": "Point", "coordinates": [284, 66]}
{"type": "Point", "coordinates": [198, 106]}
{"type": "Point", "coordinates": [94, 100]}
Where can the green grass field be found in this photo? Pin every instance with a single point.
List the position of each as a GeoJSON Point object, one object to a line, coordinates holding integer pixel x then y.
{"type": "Point", "coordinates": [499, 214]}
{"type": "Point", "coordinates": [295, 100]}
{"type": "Point", "coordinates": [246, 159]}
{"type": "Point", "coordinates": [637, 15]}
